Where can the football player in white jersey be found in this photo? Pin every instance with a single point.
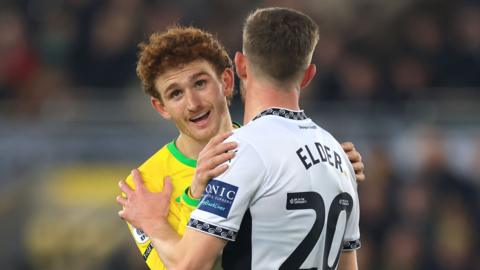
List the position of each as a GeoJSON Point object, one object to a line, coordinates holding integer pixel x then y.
{"type": "Point", "coordinates": [289, 180]}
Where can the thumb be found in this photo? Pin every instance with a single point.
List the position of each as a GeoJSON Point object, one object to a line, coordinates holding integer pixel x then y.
{"type": "Point", "coordinates": [167, 186]}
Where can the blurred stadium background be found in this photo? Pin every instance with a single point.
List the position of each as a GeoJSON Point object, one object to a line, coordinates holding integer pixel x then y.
{"type": "Point", "coordinates": [399, 78]}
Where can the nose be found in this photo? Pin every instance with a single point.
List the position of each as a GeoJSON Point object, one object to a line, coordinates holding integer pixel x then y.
{"type": "Point", "coordinates": [193, 100]}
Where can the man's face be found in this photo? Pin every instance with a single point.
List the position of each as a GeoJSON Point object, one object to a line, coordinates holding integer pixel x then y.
{"type": "Point", "coordinates": [194, 97]}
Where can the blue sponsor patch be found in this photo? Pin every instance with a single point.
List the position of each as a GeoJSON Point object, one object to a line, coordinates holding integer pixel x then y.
{"type": "Point", "coordinates": [218, 198]}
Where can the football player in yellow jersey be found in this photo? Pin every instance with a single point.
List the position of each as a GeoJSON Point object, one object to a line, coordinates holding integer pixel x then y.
{"type": "Point", "coordinates": [189, 77]}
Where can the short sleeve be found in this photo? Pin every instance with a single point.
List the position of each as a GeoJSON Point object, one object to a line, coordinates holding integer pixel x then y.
{"type": "Point", "coordinates": [351, 239]}
{"type": "Point", "coordinates": [227, 197]}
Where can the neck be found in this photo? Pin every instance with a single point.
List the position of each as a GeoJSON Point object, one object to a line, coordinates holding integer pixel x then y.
{"type": "Point", "coordinates": [191, 147]}
{"type": "Point", "coordinates": [260, 96]}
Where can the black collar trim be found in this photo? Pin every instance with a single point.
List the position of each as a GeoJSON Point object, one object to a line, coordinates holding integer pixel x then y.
{"type": "Point", "coordinates": [294, 115]}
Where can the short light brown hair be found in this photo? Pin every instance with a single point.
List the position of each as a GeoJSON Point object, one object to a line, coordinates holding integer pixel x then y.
{"type": "Point", "coordinates": [279, 42]}
{"type": "Point", "coordinates": [174, 48]}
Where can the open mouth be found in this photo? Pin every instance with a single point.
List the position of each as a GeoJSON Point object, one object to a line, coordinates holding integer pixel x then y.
{"type": "Point", "coordinates": [200, 117]}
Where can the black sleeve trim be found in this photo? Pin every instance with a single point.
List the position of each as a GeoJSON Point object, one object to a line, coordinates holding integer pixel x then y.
{"type": "Point", "coordinates": [351, 245]}
{"type": "Point", "coordinates": [211, 229]}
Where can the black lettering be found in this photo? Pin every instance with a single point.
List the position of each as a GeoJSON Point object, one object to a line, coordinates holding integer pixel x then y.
{"type": "Point", "coordinates": [338, 161]}
{"type": "Point", "coordinates": [148, 250]}
{"type": "Point", "coordinates": [303, 158]}
{"type": "Point", "coordinates": [327, 150]}
{"type": "Point", "coordinates": [315, 161]}
{"type": "Point", "coordinates": [321, 152]}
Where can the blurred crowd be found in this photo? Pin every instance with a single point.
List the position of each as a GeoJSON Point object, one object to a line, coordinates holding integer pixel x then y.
{"type": "Point", "coordinates": [424, 216]}
{"type": "Point", "coordinates": [369, 50]}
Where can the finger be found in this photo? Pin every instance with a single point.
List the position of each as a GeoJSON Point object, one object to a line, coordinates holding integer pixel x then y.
{"type": "Point", "coordinates": [219, 159]}
{"type": "Point", "coordinates": [348, 146]}
{"type": "Point", "coordinates": [125, 188]}
{"type": "Point", "coordinates": [221, 137]}
{"type": "Point", "coordinates": [137, 179]}
{"type": "Point", "coordinates": [358, 166]}
{"type": "Point", "coordinates": [217, 171]}
{"type": "Point", "coordinates": [121, 214]}
{"type": "Point", "coordinates": [360, 177]}
{"type": "Point", "coordinates": [217, 150]}
{"type": "Point", "coordinates": [218, 139]}
{"type": "Point", "coordinates": [121, 200]}
{"type": "Point", "coordinates": [167, 186]}
{"type": "Point", "coordinates": [354, 156]}
{"type": "Point", "coordinates": [224, 147]}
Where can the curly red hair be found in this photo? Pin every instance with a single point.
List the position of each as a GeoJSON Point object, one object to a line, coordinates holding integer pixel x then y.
{"type": "Point", "coordinates": [176, 47]}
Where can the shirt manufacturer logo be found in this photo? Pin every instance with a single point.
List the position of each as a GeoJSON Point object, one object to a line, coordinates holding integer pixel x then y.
{"type": "Point", "coordinates": [298, 201]}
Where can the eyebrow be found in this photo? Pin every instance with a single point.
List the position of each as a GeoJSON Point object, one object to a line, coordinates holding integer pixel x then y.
{"type": "Point", "coordinates": [198, 74]}
{"type": "Point", "coordinates": [192, 78]}
{"type": "Point", "coordinates": [171, 86]}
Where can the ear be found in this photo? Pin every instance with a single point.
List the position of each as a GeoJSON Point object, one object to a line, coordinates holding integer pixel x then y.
{"type": "Point", "coordinates": [159, 107]}
{"type": "Point", "coordinates": [228, 82]}
{"type": "Point", "coordinates": [308, 75]}
{"type": "Point", "coordinates": [241, 65]}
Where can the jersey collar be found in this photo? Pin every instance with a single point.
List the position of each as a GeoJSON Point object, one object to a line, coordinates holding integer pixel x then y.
{"type": "Point", "coordinates": [172, 147]}
{"type": "Point", "coordinates": [285, 113]}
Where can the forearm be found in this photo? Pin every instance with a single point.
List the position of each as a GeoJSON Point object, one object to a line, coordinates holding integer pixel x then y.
{"type": "Point", "coordinates": [166, 241]}
{"type": "Point", "coordinates": [195, 250]}
{"type": "Point", "coordinates": [348, 260]}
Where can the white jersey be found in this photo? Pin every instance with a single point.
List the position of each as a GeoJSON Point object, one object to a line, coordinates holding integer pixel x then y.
{"type": "Point", "coordinates": [294, 188]}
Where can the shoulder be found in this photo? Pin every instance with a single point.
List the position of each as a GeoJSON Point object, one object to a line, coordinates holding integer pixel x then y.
{"type": "Point", "coordinates": [251, 147]}
{"type": "Point", "coordinates": [152, 166]}
{"type": "Point", "coordinates": [252, 131]}
{"type": "Point", "coordinates": [341, 152]}
{"type": "Point", "coordinates": [338, 148]}
{"type": "Point", "coordinates": [247, 140]}
{"type": "Point", "coordinates": [158, 158]}
{"type": "Point", "coordinates": [246, 137]}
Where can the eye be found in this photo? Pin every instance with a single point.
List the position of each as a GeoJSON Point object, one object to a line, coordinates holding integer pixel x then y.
{"type": "Point", "coordinates": [175, 94]}
{"type": "Point", "coordinates": [200, 83]}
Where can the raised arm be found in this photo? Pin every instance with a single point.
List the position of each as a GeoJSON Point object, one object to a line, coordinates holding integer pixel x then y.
{"type": "Point", "coordinates": [148, 211]}
{"type": "Point", "coordinates": [211, 162]}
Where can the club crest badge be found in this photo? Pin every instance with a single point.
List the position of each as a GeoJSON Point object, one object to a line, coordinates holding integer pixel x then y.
{"type": "Point", "coordinates": [139, 236]}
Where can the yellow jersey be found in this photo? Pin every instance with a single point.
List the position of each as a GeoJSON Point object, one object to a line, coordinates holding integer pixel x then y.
{"type": "Point", "coordinates": [168, 161]}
